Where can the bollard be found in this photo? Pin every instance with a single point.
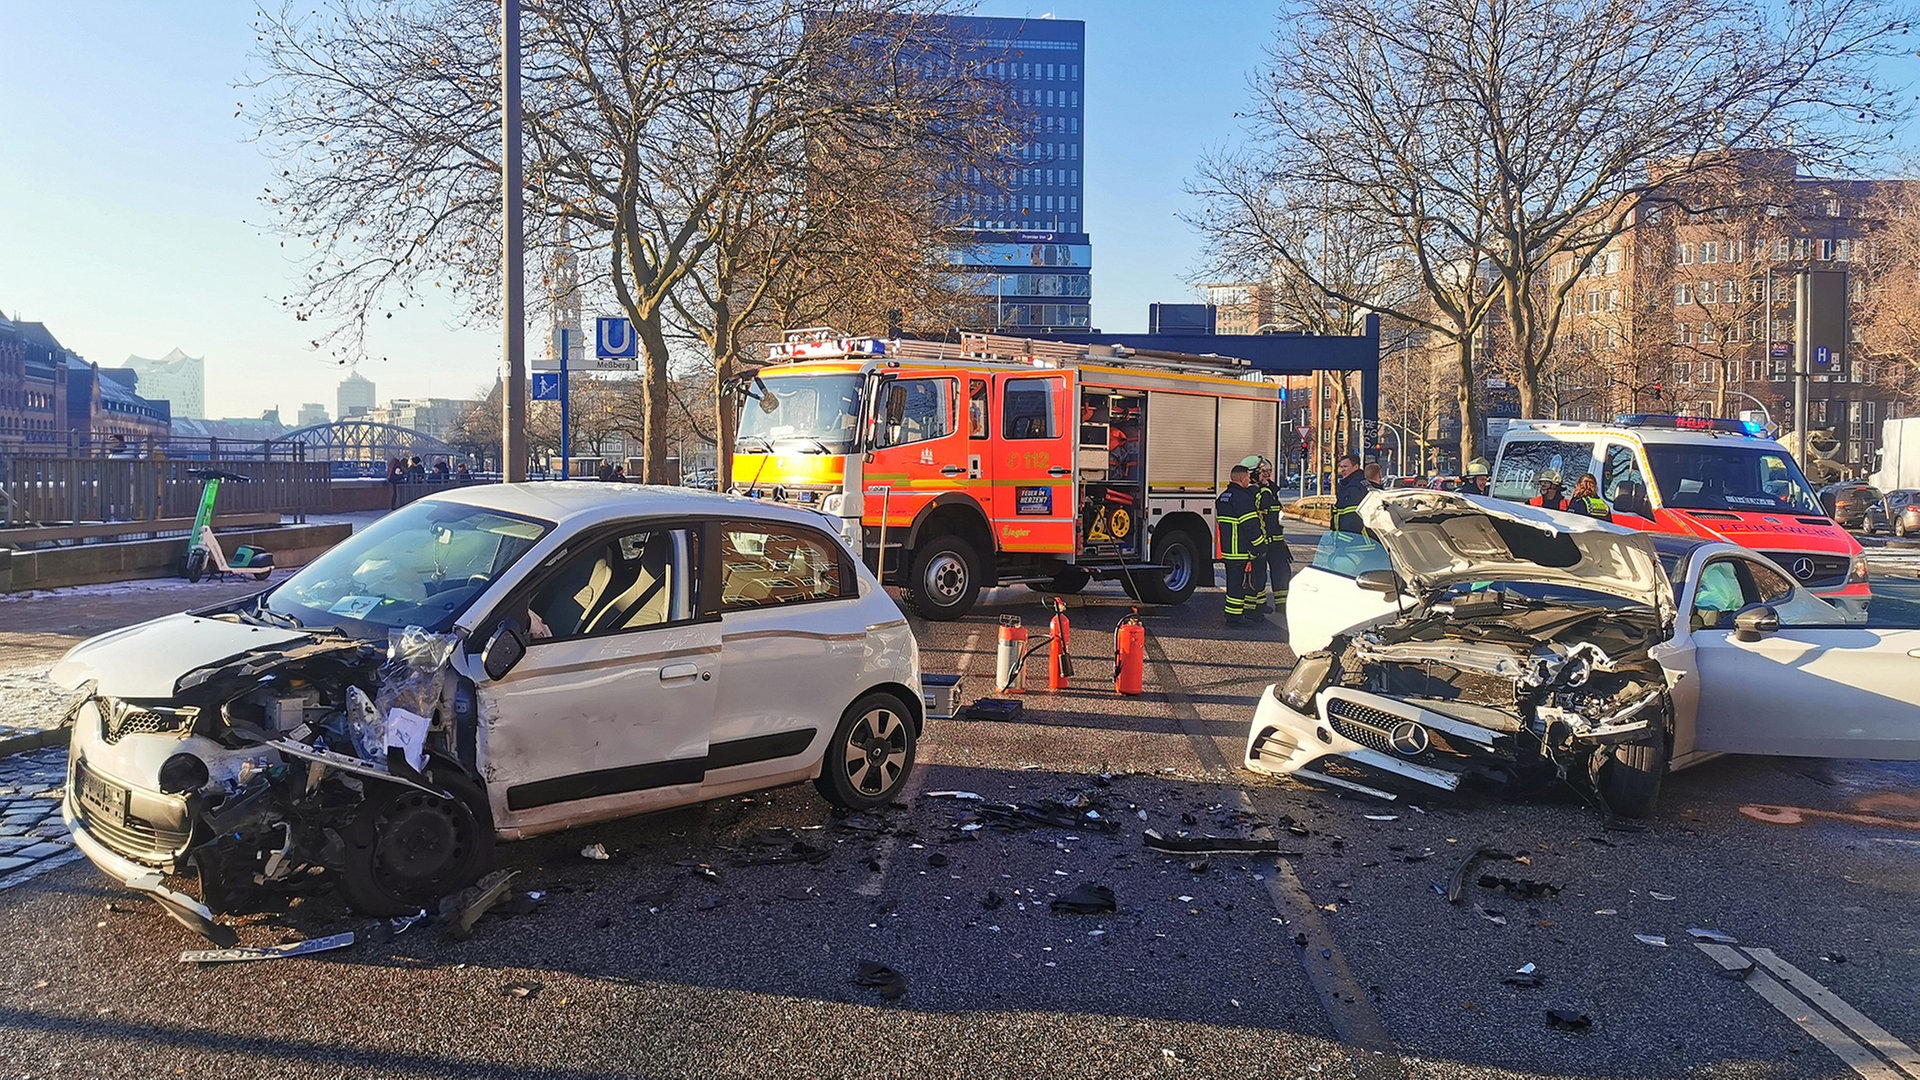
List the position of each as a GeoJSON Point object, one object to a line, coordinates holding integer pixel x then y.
{"type": "Point", "coordinates": [1130, 655]}
{"type": "Point", "coordinates": [1009, 676]}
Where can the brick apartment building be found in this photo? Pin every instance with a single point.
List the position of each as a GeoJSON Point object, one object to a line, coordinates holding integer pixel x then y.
{"type": "Point", "coordinates": [1692, 310]}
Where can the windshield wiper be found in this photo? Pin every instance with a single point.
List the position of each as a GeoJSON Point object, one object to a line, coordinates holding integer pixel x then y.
{"type": "Point", "coordinates": [818, 447]}
{"type": "Point", "coordinates": [740, 442]}
{"type": "Point", "coordinates": [266, 614]}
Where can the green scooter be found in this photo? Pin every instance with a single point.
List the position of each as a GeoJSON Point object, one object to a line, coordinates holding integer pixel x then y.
{"type": "Point", "coordinates": [204, 555]}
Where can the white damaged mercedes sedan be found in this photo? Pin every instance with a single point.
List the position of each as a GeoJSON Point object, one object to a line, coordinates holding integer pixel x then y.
{"type": "Point", "coordinates": [495, 661]}
{"type": "Point", "coordinates": [1504, 643]}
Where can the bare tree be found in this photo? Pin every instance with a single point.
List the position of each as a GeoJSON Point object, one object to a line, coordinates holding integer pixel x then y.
{"type": "Point", "coordinates": [642, 117]}
{"type": "Point", "coordinates": [1888, 312]}
{"type": "Point", "coordinates": [1497, 135]}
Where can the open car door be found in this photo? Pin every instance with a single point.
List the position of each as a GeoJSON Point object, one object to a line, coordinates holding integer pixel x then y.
{"type": "Point", "coordinates": [1324, 599]}
{"type": "Point", "coordinates": [1780, 673]}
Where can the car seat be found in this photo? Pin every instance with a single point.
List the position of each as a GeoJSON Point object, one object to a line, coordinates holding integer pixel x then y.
{"type": "Point", "coordinates": [1630, 497]}
{"type": "Point", "coordinates": [645, 598]}
{"type": "Point", "coordinates": [575, 593]}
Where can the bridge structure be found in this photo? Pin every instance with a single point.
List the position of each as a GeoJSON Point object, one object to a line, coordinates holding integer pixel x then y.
{"type": "Point", "coordinates": [361, 447]}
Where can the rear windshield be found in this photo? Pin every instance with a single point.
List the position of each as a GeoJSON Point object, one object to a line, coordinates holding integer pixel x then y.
{"type": "Point", "coordinates": [1730, 476]}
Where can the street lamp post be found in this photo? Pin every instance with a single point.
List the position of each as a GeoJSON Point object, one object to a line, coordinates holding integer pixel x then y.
{"type": "Point", "coordinates": [513, 393]}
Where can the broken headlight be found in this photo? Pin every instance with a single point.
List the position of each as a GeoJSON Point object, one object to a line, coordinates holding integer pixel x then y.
{"type": "Point", "coordinates": [1310, 675]}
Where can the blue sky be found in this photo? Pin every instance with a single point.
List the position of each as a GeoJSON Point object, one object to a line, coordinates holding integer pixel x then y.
{"type": "Point", "coordinates": [130, 221]}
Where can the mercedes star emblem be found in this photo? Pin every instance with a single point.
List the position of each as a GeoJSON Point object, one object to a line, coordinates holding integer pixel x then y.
{"type": "Point", "coordinates": [1408, 739]}
{"type": "Point", "coordinates": [1803, 568]}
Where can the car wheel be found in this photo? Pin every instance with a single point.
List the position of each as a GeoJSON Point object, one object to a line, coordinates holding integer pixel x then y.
{"type": "Point", "coordinates": [406, 848]}
{"type": "Point", "coordinates": [870, 755]}
{"type": "Point", "coordinates": [1180, 554]}
{"type": "Point", "coordinates": [196, 563]}
{"type": "Point", "coordinates": [944, 580]}
{"type": "Point", "coordinates": [1629, 776]}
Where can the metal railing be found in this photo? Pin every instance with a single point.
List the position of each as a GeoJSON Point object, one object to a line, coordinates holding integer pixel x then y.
{"type": "Point", "coordinates": [39, 491]}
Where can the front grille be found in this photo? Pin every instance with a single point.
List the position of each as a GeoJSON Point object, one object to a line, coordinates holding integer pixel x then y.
{"type": "Point", "coordinates": [119, 719]}
{"type": "Point", "coordinates": [1363, 724]}
{"type": "Point", "coordinates": [1820, 570]}
{"type": "Point", "coordinates": [137, 839]}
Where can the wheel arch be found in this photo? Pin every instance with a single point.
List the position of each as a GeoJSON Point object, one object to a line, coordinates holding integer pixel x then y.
{"type": "Point", "coordinates": [954, 512]}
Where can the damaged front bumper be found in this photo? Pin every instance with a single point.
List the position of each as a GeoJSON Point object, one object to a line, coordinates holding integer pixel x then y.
{"type": "Point", "coordinates": [1379, 733]}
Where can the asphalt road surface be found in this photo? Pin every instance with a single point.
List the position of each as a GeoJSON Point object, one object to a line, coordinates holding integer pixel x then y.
{"type": "Point", "coordinates": [707, 945]}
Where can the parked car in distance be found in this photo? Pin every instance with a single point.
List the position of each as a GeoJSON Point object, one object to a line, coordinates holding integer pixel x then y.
{"type": "Point", "coordinates": [1900, 510]}
{"type": "Point", "coordinates": [489, 662]}
{"type": "Point", "coordinates": [1488, 641]}
{"type": "Point", "coordinates": [1851, 503]}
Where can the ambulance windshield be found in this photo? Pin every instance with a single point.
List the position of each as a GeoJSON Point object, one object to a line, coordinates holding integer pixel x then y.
{"type": "Point", "coordinates": [802, 413]}
{"type": "Point", "coordinates": [1722, 476]}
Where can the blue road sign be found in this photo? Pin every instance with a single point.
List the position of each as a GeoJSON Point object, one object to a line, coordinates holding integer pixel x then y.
{"type": "Point", "coordinates": [614, 339]}
{"type": "Point", "coordinates": [546, 386]}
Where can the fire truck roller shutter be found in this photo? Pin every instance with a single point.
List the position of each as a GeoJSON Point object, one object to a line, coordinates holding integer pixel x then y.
{"type": "Point", "coordinates": [1180, 442]}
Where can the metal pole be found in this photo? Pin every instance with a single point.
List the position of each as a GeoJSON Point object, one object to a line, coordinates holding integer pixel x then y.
{"type": "Point", "coordinates": [566, 391]}
{"type": "Point", "coordinates": [513, 430]}
{"type": "Point", "coordinates": [1801, 373]}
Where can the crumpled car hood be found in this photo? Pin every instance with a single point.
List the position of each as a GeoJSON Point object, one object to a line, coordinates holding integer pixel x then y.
{"type": "Point", "coordinates": [1442, 538]}
{"type": "Point", "coordinates": [146, 660]}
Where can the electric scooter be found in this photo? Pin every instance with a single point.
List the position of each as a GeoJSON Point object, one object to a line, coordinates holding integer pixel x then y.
{"type": "Point", "coordinates": [204, 554]}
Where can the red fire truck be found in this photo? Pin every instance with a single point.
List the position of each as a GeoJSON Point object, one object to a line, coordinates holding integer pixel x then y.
{"type": "Point", "coordinates": [1003, 460]}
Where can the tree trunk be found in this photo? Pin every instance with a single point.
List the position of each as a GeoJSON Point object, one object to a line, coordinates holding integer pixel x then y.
{"type": "Point", "coordinates": [653, 395]}
{"type": "Point", "coordinates": [1469, 412]}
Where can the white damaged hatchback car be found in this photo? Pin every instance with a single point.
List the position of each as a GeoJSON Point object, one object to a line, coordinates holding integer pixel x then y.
{"type": "Point", "coordinates": [1508, 642]}
{"type": "Point", "coordinates": [496, 661]}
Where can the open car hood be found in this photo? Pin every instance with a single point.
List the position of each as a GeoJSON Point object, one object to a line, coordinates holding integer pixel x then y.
{"type": "Point", "coordinates": [1442, 538]}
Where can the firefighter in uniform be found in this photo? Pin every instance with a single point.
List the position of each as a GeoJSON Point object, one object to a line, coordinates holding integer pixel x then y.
{"type": "Point", "coordinates": [1549, 497]}
{"type": "Point", "coordinates": [1237, 519]}
{"type": "Point", "coordinates": [1479, 477]}
{"type": "Point", "coordinates": [1347, 493]}
{"type": "Point", "coordinates": [1586, 499]}
{"type": "Point", "coordinates": [1273, 571]}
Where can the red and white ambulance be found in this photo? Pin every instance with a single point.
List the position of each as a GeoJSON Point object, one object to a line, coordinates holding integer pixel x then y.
{"type": "Point", "coordinates": [1695, 476]}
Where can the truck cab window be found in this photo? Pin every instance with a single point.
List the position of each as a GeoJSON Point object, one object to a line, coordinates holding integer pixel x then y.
{"type": "Point", "coordinates": [1028, 408]}
{"type": "Point", "coordinates": [915, 410]}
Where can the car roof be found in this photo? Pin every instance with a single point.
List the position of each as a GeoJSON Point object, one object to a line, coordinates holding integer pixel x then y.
{"type": "Point", "coordinates": [1650, 436]}
{"type": "Point", "coordinates": [564, 501]}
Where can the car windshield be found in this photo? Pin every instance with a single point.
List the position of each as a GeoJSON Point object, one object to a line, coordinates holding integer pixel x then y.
{"type": "Point", "coordinates": [1724, 476]}
{"type": "Point", "coordinates": [820, 412]}
{"type": "Point", "coordinates": [418, 566]}
{"type": "Point", "coordinates": [1549, 593]}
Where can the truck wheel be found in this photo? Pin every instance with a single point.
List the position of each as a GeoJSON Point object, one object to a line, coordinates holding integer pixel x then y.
{"type": "Point", "coordinates": [1629, 776]}
{"type": "Point", "coordinates": [1180, 554]}
{"type": "Point", "coordinates": [944, 581]}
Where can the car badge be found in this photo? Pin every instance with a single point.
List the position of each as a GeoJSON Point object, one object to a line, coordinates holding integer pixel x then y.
{"type": "Point", "coordinates": [1803, 569]}
{"type": "Point", "coordinates": [1409, 739]}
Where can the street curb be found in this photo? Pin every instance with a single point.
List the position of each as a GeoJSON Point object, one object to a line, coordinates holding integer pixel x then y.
{"type": "Point", "coordinates": [33, 740]}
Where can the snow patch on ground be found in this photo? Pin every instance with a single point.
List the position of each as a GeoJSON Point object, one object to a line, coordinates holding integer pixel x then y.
{"type": "Point", "coordinates": [119, 588]}
{"type": "Point", "coordinates": [29, 701]}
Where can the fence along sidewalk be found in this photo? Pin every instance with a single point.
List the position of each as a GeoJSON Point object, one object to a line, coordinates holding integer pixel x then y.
{"type": "Point", "coordinates": [38, 491]}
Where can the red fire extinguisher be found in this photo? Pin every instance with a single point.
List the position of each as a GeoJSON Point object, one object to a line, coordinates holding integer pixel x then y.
{"type": "Point", "coordinates": [1130, 655]}
{"type": "Point", "coordinates": [1059, 659]}
{"type": "Point", "coordinates": [1009, 675]}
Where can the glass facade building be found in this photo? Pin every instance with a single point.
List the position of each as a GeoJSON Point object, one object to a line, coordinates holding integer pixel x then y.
{"type": "Point", "coordinates": [1031, 252]}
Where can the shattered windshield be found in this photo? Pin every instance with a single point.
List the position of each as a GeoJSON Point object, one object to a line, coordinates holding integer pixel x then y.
{"type": "Point", "coordinates": [1747, 479]}
{"type": "Point", "coordinates": [418, 566]}
{"type": "Point", "coordinates": [819, 412]}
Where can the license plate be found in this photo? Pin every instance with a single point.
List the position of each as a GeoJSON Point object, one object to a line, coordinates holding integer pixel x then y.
{"type": "Point", "coordinates": [103, 800]}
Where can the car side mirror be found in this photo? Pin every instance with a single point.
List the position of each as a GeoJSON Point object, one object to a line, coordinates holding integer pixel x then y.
{"type": "Point", "coordinates": [503, 650]}
{"type": "Point", "coordinates": [1755, 623]}
{"type": "Point", "coordinates": [1384, 582]}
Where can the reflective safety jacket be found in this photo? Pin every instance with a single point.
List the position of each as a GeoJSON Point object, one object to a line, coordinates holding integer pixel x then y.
{"type": "Point", "coordinates": [1593, 506]}
{"type": "Point", "coordinates": [1267, 498]}
{"type": "Point", "coordinates": [1236, 515]}
{"type": "Point", "coordinates": [1347, 494]}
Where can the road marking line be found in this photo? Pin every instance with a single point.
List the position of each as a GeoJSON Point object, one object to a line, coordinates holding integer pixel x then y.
{"type": "Point", "coordinates": [1809, 1020]}
{"type": "Point", "coordinates": [1903, 1056]}
{"type": "Point", "coordinates": [1349, 1008]}
{"type": "Point", "coordinates": [883, 851]}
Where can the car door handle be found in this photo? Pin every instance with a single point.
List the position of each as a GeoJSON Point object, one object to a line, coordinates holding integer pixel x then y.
{"type": "Point", "coordinates": [951, 470]}
{"type": "Point", "coordinates": [1058, 470]}
{"type": "Point", "coordinates": [678, 671]}
{"type": "Point", "coordinates": [1915, 653]}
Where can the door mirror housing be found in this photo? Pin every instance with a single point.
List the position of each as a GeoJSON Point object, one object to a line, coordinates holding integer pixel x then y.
{"type": "Point", "coordinates": [1384, 582]}
{"type": "Point", "coordinates": [502, 651]}
{"type": "Point", "coordinates": [1755, 623]}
